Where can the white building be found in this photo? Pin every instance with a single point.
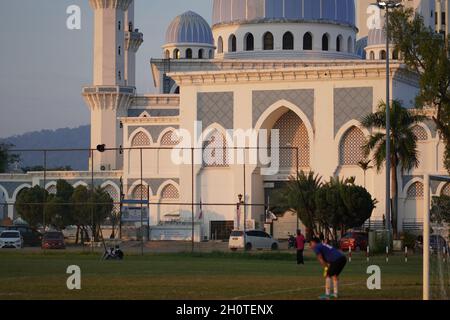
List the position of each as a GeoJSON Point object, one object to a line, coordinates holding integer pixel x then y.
{"type": "Point", "coordinates": [291, 65]}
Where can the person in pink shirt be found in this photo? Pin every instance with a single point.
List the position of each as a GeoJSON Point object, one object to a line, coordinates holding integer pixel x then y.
{"type": "Point", "coordinates": [300, 245]}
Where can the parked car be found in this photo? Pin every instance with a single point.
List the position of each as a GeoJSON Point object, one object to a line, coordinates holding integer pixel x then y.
{"type": "Point", "coordinates": [254, 239]}
{"type": "Point", "coordinates": [31, 237]}
{"type": "Point", "coordinates": [11, 239]}
{"type": "Point", "coordinates": [354, 240]}
{"type": "Point", "coordinates": [53, 240]}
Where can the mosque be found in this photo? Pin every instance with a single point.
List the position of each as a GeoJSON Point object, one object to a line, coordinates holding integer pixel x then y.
{"type": "Point", "coordinates": [310, 69]}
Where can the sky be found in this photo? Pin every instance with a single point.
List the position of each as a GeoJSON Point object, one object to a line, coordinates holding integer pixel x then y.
{"type": "Point", "coordinates": [43, 65]}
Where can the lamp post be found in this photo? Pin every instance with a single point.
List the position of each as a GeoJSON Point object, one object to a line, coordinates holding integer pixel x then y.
{"type": "Point", "coordinates": [386, 5]}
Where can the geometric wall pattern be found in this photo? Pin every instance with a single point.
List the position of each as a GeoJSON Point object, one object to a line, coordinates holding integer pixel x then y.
{"type": "Point", "coordinates": [140, 140]}
{"type": "Point", "coordinates": [140, 192]}
{"type": "Point", "coordinates": [351, 103]}
{"type": "Point", "coordinates": [446, 190]}
{"type": "Point", "coordinates": [215, 151]}
{"type": "Point", "coordinates": [293, 134]}
{"type": "Point", "coordinates": [420, 133]}
{"type": "Point", "coordinates": [51, 189]}
{"type": "Point", "coordinates": [215, 107]}
{"type": "Point", "coordinates": [350, 147]}
{"type": "Point", "coordinates": [415, 191]}
{"type": "Point", "coordinates": [170, 192]}
{"type": "Point", "coordinates": [170, 138]}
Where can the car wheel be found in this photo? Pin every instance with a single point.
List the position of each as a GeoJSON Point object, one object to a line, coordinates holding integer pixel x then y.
{"type": "Point", "coordinates": [248, 247]}
{"type": "Point", "coordinates": [274, 246]}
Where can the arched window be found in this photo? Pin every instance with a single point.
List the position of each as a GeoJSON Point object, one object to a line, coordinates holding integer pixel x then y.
{"type": "Point", "coordinates": [176, 54]}
{"type": "Point", "coordinates": [215, 153]}
{"type": "Point", "coordinates": [325, 42]}
{"type": "Point", "coordinates": [288, 41]}
{"type": "Point", "coordinates": [232, 43]}
{"type": "Point", "coordinates": [383, 55]}
{"type": "Point", "coordinates": [415, 191]}
{"type": "Point", "coordinates": [210, 55]}
{"type": "Point", "coordinates": [446, 190]}
{"type": "Point", "coordinates": [350, 45]}
{"type": "Point", "coordinates": [293, 136]}
{"type": "Point", "coordinates": [170, 192]}
{"type": "Point", "coordinates": [140, 140]}
{"type": "Point", "coordinates": [372, 55]}
{"type": "Point", "coordinates": [119, 50]}
{"type": "Point", "coordinates": [268, 41]}
{"type": "Point", "coordinates": [200, 54]}
{"type": "Point", "coordinates": [52, 189]}
{"type": "Point", "coordinates": [249, 44]}
{"type": "Point", "coordinates": [351, 147]}
{"type": "Point", "coordinates": [420, 133]}
{"type": "Point", "coordinates": [339, 43]}
{"type": "Point", "coordinates": [170, 138]}
{"type": "Point", "coordinates": [114, 195]}
{"type": "Point", "coordinates": [189, 53]}
{"type": "Point", "coordinates": [395, 55]}
{"type": "Point", "coordinates": [119, 75]}
{"type": "Point", "coordinates": [307, 41]}
{"type": "Point", "coordinates": [167, 54]}
{"type": "Point", "coordinates": [220, 45]}
{"type": "Point", "coordinates": [119, 25]}
{"type": "Point", "coordinates": [140, 192]}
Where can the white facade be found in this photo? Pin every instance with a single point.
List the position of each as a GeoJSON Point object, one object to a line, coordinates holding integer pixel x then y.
{"type": "Point", "coordinates": [315, 96]}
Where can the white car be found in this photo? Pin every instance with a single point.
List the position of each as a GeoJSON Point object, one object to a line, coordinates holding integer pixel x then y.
{"type": "Point", "coordinates": [11, 239]}
{"type": "Point", "coordinates": [254, 239]}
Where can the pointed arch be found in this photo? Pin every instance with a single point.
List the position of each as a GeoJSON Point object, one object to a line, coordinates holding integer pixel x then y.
{"type": "Point", "coordinates": [215, 141]}
{"type": "Point", "coordinates": [135, 189]}
{"type": "Point", "coordinates": [351, 146]}
{"type": "Point", "coordinates": [169, 190]}
{"type": "Point", "coordinates": [288, 41]}
{"type": "Point", "coordinates": [249, 42]}
{"type": "Point", "coordinates": [4, 191]}
{"type": "Point", "coordinates": [407, 187]}
{"type": "Point", "coordinates": [80, 183]}
{"type": "Point", "coordinates": [168, 137]}
{"type": "Point", "coordinates": [422, 132]}
{"type": "Point", "coordinates": [136, 132]}
{"type": "Point", "coordinates": [51, 187]}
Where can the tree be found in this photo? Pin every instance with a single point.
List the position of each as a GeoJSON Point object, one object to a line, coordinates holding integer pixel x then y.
{"type": "Point", "coordinates": [427, 54]}
{"type": "Point", "coordinates": [30, 205]}
{"type": "Point", "coordinates": [440, 210]}
{"type": "Point", "coordinates": [404, 154]}
{"type": "Point", "coordinates": [59, 206]}
{"type": "Point", "coordinates": [298, 196]}
{"type": "Point", "coordinates": [91, 208]}
{"type": "Point", "coordinates": [6, 158]}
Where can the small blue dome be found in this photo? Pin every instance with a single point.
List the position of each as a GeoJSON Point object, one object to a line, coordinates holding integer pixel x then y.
{"type": "Point", "coordinates": [189, 27]}
{"type": "Point", "coordinates": [376, 37]}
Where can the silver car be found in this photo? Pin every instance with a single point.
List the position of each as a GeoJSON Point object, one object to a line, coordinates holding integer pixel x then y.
{"type": "Point", "coordinates": [11, 239]}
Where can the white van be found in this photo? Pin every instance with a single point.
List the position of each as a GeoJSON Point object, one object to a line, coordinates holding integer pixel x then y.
{"type": "Point", "coordinates": [254, 239]}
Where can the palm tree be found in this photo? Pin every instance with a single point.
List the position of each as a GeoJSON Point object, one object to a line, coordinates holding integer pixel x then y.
{"type": "Point", "coordinates": [365, 166]}
{"type": "Point", "coordinates": [404, 154]}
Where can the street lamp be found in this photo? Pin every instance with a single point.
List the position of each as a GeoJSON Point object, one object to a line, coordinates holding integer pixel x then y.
{"type": "Point", "coordinates": [386, 5]}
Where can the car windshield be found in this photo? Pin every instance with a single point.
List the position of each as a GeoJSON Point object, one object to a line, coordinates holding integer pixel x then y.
{"type": "Point", "coordinates": [53, 236]}
{"type": "Point", "coordinates": [9, 235]}
{"type": "Point", "coordinates": [237, 234]}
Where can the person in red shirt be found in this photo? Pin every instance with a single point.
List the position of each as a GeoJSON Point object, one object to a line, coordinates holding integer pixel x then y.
{"type": "Point", "coordinates": [300, 245]}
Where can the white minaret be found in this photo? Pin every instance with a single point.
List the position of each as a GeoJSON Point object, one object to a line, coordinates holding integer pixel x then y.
{"type": "Point", "coordinates": [113, 84]}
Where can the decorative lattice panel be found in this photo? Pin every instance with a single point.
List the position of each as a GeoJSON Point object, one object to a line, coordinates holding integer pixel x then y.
{"type": "Point", "coordinates": [51, 189]}
{"type": "Point", "coordinates": [170, 192]}
{"type": "Point", "coordinates": [415, 191]}
{"type": "Point", "coordinates": [293, 134]}
{"type": "Point", "coordinates": [215, 153]}
{"type": "Point", "coordinates": [114, 195]}
{"type": "Point", "coordinates": [420, 133]}
{"type": "Point", "coordinates": [140, 140]}
{"type": "Point", "coordinates": [140, 192]}
{"type": "Point", "coordinates": [350, 148]}
{"type": "Point", "coordinates": [446, 190]}
{"type": "Point", "coordinates": [170, 139]}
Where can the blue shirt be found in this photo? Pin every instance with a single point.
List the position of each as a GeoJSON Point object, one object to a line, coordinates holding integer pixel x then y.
{"type": "Point", "coordinates": [328, 253]}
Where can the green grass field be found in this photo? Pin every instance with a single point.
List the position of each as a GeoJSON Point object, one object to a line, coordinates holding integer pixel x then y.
{"type": "Point", "coordinates": [228, 276]}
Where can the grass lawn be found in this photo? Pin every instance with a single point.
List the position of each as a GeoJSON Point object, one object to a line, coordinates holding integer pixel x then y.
{"type": "Point", "coordinates": [228, 276]}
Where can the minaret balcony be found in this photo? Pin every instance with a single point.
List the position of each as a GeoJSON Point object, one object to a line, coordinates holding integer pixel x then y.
{"type": "Point", "coordinates": [108, 97]}
{"type": "Point", "coordinates": [133, 40]}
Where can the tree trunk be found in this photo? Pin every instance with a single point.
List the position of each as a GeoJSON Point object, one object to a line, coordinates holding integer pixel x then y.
{"type": "Point", "coordinates": [77, 235]}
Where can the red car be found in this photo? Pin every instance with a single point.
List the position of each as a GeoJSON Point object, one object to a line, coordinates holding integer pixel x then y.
{"type": "Point", "coordinates": [53, 240]}
{"type": "Point", "coordinates": [354, 240]}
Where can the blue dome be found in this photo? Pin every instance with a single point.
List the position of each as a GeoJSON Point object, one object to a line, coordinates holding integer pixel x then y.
{"type": "Point", "coordinates": [340, 11]}
{"type": "Point", "coordinates": [376, 37]}
{"type": "Point", "coordinates": [189, 27]}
